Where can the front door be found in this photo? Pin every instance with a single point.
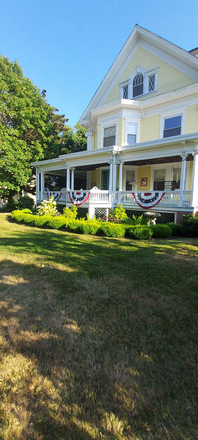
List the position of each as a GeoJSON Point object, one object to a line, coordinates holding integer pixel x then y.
{"type": "Point", "coordinates": [105, 179]}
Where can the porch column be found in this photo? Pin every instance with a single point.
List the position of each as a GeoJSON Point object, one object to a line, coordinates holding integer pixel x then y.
{"type": "Point", "coordinates": [42, 183]}
{"type": "Point", "coordinates": [194, 202]}
{"type": "Point", "coordinates": [120, 180]}
{"type": "Point", "coordinates": [37, 186]}
{"type": "Point", "coordinates": [72, 179]}
{"type": "Point", "coordinates": [68, 178]}
{"type": "Point", "coordinates": [88, 135]}
{"type": "Point", "coordinates": [111, 176]}
{"type": "Point", "coordinates": [114, 178]}
{"type": "Point", "coordinates": [183, 175]}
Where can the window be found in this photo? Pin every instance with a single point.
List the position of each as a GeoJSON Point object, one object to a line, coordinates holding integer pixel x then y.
{"type": "Point", "coordinates": [151, 86]}
{"type": "Point", "coordinates": [130, 180]}
{"type": "Point", "coordinates": [131, 133]}
{"type": "Point", "coordinates": [176, 178]}
{"type": "Point", "coordinates": [159, 179]}
{"type": "Point", "coordinates": [138, 85]}
{"type": "Point", "coordinates": [104, 179]}
{"type": "Point", "coordinates": [172, 126]}
{"type": "Point", "coordinates": [109, 136]}
{"type": "Point", "coordinates": [125, 92]}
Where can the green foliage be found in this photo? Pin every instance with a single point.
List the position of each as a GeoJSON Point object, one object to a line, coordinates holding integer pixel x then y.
{"type": "Point", "coordinates": [119, 213]}
{"type": "Point", "coordinates": [190, 225]}
{"type": "Point", "coordinates": [70, 213]}
{"type": "Point", "coordinates": [48, 207]}
{"type": "Point", "coordinates": [161, 231]}
{"type": "Point", "coordinates": [41, 221]}
{"type": "Point", "coordinates": [12, 205]}
{"type": "Point", "coordinates": [175, 228]}
{"type": "Point", "coordinates": [28, 218]}
{"type": "Point", "coordinates": [57, 222]}
{"type": "Point", "coordinates": [140, 232]}
{"type": "Point", "coordinates": [75, 226]}
{"type": "Point", "coordinates": [112, 229]}
{"type": "Point", "coordinates": [90, 227]}
{"type": "Point", "coordinates": [26, 202]}
{"type": "Point", "coordinates": [141, 220]}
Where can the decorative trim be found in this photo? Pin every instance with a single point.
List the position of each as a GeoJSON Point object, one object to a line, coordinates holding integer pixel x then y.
{"type": "Point", "coordinates": [148, 199]}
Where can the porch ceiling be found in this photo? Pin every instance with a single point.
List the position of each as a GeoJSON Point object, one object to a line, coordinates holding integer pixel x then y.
{"type": "Point", "coordinates": [171, 159]}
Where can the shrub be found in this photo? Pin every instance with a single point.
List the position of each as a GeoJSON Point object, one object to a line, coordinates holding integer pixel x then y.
{"type": "Point", "coordinates": [74, 226]}
{"type": "Point", "coordinates": [161, 231]}
{"type": "Point", "coordinates": [12, 205]}
{"type": "Point", "coordinates": [119, 213]}
{"type": "Point", "coordinates": [112, 230]}
{"type": "Point", "coordinates": [26, 202]}
{"type": "Point", "coordinates": [18, 215]}
{"type": "Point", "coordinates": [175, 228]}
{"type": "Point", "coordinates": [28, 218]}
{"type": "Point", "coordinates": [90, 227]}
{"type": "Point", "coordinates": [57, 222]}
{"type": "Point", "coordinates": [190, 225]}
{"type": "Point", "coordinates": [41, 221]}
{"type": "Point", "coordinates": [140, 232]}
{"type": "Point", "coordinates": [70, 213]}
{"type": "Point", "coordinates": [141, 220]}
{"type": "Point", "coordinates": [48, 207]}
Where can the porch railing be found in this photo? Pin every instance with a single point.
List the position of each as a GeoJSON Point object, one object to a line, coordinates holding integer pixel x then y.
{"type": "Point", "coordinates": [126, 198]}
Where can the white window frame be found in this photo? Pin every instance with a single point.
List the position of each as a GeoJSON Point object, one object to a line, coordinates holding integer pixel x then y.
{"type": "Point", "coordinates": [146, 74]}
{"type": "Point", "coordinates": [135, 122]}
{"type": "Point", "coordinates": [169, 115]}
{"type": "Point", "coordinates": [107, 125]}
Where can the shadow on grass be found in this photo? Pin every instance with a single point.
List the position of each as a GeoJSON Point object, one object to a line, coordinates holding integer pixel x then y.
{"type": "Point", "coordinates": [98, 339]}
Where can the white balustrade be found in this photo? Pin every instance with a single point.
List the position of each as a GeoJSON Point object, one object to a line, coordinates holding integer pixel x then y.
{"type": "Point", "coordinates": [126, 198]}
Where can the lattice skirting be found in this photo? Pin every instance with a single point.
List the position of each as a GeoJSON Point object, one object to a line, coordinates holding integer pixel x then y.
{"type": "Point", "coordinates": [101, 212]}
{"type": "Point", "coordinates": [166, 217]}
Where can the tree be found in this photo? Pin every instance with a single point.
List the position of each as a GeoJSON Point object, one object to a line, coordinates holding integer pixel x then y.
{"type": "Point", "coordinates": [30, 129]}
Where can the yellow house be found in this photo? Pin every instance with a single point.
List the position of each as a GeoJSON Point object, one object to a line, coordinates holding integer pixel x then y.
{"type": "Point", "coordinates": [142, 136]}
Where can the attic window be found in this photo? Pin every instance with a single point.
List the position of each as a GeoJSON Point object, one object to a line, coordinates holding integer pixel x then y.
{"type": "Point", "coordinates": [138, 85]}
{"type": "Point", "coordinates": [125, 92]}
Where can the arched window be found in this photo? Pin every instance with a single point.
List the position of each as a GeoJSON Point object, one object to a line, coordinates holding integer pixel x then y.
{"type": "Point", "coordinates": [138, 85]}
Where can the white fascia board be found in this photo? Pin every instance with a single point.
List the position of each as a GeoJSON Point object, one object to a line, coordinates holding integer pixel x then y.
{"type": "Point", "coordinates": [184, 141]}
{"type": "Point", "coordinates": [46, 162]}
{"type": "Point", "coordinates": [138, 33]}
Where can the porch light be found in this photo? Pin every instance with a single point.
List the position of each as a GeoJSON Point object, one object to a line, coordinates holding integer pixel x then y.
{"type": "Point", "coordinates": [132, 182]}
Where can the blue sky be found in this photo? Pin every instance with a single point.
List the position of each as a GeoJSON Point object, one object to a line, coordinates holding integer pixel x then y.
{"type": "Point", "coordinates": [66, 47]}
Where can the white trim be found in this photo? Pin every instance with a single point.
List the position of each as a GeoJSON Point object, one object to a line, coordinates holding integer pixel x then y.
{"type": "Point", "coordinates": [169, 115]}
{"type": "Point", "coordinates": [106, 125]}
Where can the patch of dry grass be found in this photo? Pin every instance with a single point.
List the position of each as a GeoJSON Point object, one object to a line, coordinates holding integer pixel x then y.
{"type": "Point", "coordinates": [98, 337]}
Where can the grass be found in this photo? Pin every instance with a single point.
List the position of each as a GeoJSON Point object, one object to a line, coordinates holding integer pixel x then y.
{"type": "Point", "coordinates": [98, 336]}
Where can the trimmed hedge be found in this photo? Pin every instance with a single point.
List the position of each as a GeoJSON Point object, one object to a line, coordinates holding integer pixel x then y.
{"type": "Point", "coordinates": [90, 227]}
{"type": "Point", "coordinates": [57, 222]}
{"type": "Point", "coordinates": [161, 231]}
{"type": "Point", "coordinates": [139, 232]}
{"type": "Point", "coordinates": [175, 228]}
{"type": "Point", "coordinates": [112, 230]}
{"type": "Point", "coordinates": [190, 225]}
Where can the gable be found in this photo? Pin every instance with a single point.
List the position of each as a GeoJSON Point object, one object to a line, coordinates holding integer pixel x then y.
{"type": "Point", "coordinates": [169, 78]}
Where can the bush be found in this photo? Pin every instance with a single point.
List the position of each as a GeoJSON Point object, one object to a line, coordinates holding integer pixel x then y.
{"type": "Point", "coordinates": [57, 222]}
{"type": "Point", "coordinates": [140, 232]}
{"type": "Point", "coordinates": [75, 226]}
{"type": "Point", "coordinates": [41, 221]}
{"type": "Point", "coordinates": [161, 231]}
{"type": "Point", "coordinates": [70, 213]}
{"type": "Point", "coordinates": [141, 220]}
{"type": "Point", "coordinates": [48, 207]}
{"type": "Point", "coordinates": [175, 228]}
{"type": "Point", "coordinates": [12, 205]}
{"type": "Point", "coordinates": [28, 218]}
{"type": "Point", "coordinates": [112, 230]}
{"type": "Point", "coordinates": [26, 202]}
{"type": "Point", "coordinates": [18, 215]}
{"type": "Point", "coordinates": [90, 227]}
{"type": "Point", "coordinates": [190, 225]}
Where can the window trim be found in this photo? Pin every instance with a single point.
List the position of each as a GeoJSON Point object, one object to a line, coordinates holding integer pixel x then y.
{"type": "Point", "coordinates": [169, 116]}
{"type": "Point", "coordinates": [129, 82]}
{"type": "Point", "coordinates": [135, 122]}
{"type": "Point", "coordinates": [107, 125]}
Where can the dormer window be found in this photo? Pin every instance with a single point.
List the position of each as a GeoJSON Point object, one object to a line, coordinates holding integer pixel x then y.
{"type": "Point", "coordinates": [141, 82]}
{"type": "Point", "coordinates": [125, 92]}
{"type": "Point", "coordinates": [138, 85]}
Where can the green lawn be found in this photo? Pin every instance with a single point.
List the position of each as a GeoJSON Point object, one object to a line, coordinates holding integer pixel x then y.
{"type": "Point", "coordinates": [98, 336]}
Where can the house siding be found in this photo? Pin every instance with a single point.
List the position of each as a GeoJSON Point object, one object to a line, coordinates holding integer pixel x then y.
{"type": "Point", "coordinates": [191, 120]}
{"type": "Point", "coordinates": [169, 78]}
{"type": "Point", "coordinates": [150, 128]}
{"type": "Point", "coordinates": [121, 131]}
{"type": "Point", "coordinates": [144, 172]}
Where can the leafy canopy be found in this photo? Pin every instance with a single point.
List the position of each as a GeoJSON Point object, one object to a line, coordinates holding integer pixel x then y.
{"type": "Point", "coordinates": [30, 129]}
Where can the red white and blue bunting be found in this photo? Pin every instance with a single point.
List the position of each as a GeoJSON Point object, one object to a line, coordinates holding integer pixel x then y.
{"type": "Point", "coordinates": [56, 195]}
{"type": "Point", "coordinates": [78, 197]}
{"type": "Point", "coordinates": [148, 199]}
